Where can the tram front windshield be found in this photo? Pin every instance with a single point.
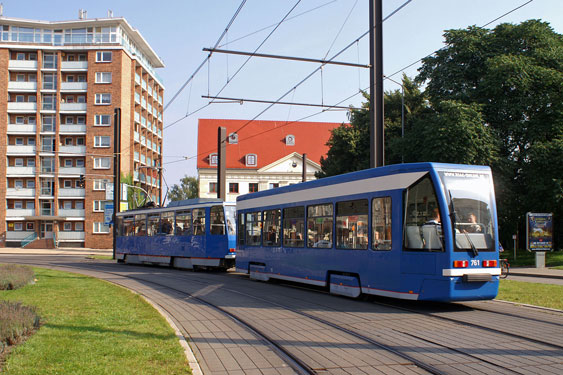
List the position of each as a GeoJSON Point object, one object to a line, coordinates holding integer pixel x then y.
{"type": "Point", "coordinates": [470, 197]}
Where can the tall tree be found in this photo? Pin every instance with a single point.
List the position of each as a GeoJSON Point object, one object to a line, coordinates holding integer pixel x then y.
{"type": "Point", "coordinates": [515, 72]}
{"type": "Point", "coordinates": [187, 189]}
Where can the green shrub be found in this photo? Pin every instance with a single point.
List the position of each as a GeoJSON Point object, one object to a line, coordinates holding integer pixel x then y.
{"type": "Point", "coordinates": [13, 276]}
{"type": "Point", "coordinates": [17, 322]}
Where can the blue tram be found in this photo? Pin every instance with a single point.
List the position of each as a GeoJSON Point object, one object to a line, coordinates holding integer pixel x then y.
{"type": "Point", "coordinates": [195, 233]}
{"type": "Point", "coordinates": [423, 231]}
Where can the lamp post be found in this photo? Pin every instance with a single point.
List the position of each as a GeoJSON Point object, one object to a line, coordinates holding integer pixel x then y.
{"type": "Point", "coordinates": [402, 113]}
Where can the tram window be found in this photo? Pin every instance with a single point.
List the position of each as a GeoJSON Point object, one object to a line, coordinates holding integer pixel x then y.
{"type": "Point", "coordinates": [183, 223]}
{"type": "Point", "coordinates": [381, 223]}
{"type": "Point", "coordinates": [253, 228]}
{"type": "Point", "coordinates": [167, 223]}
{"type": "Point", "coordinates": [352, 224]}
{"type": "Point", "coordinates": [153, 223]}
{"type": "Point", "coordinates": [217, 222]}
{"type": "Point", "coordinates": [272, 223]}
{"type": "Point", "coordinates": [319, 226]}
{"type": "Point", "coordinates": [199, 221]}
{"type": "Point", "coordinates": [119, 225]}
{"type": "Point", "coordinates": [128, 228]}
{"type": "Point", "coordinates": [140, 225]}
{"type": "Point", "coordinates": [423, 227]}
{"type": "Point", "coordinates": [241, 233]}
{"type": "Point", "coordinates": [293, 226]}
{"type": "Point", "coordinates": [230, 214]}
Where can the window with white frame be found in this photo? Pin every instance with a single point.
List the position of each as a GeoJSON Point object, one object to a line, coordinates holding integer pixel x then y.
{"type": "Point", "coordinates": [19, 141]}
{"type": "Point", "coordinates": [18, 184]}
{"type": "Point", "coordinates": [99, 206]}
{"type": "Point", "coordinates": [19, 120]}
{"type": "Point", "coordinates": [100, 228]}
{"type": "Point", "coordinates": [67, 227]}
{"type": "Point", "coordinates": [31, 141]}
{"type": "Point", "coordinates": [102, 120]}
{"type": "Point", "coordinates": [79, 205]}
{"type": "Point", "coordinates": [213, 159]}
{"type": "Point", "coordinates": [67, 205]}
{"type": "Point", "coordinates": [103, 56]}
{"type": "Point", "coordinates": [251, 160]}
{"type": "Point", "coordinates": [30, 205]}
{"type": "Point", "coordinates": [81, 99]}
{"type": "Point", "coordinates": [81, 120]}
{"type": "Point", "coordinates": [102, 163]}
{"type": "Point", "coordinates": [79, 226]}
{"type": "Point", "coordinates": [68, 163]}
{"type": "Point", "coordinates": [18, 162]}
{"type": "Point", "coordinates": [30, 184]}
{"type": "Point", "coordinates": [80, 163]}
{"type": "Point", "coordinates": [100, 184]}
{"type": "Point", "coordinates": [103, 99]}
{"type": "Point", "coordinates": [69, 120]}
{"type": "Point", "coordinates": [18, 205]}
{"type": "Point", "coordinates": [67, 184]}
{"type": "Point", "coordinates": [103, 77]}
{"type": "Point", "coordinates": [31, 120]}
{"type": "Point", "coordinates": [18, 226]}
{"type": "Point", "coordinates": [102, 141]}
{"type": "Point", "coordinates": [31, 162]}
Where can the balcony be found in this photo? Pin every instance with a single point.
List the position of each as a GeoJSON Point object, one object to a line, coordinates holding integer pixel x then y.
{"type": "Point", "coordinates": [47, 192]}
{"type": "Point", "coordinates": [20, 212]}
{"type": "Point", "coordinates": [136, 136]}
{"type": "Point", "coordinates": [72, 193]}
{"type": "Point", "coordinates": [74, 65]}
{"type": "Point", "coordinates": [71, 171]}
{"type": "Point", "coordinates": [72, 129]}
{"type": "Point", "coordinates": [20, 171]}
{"type": "Point", "coordinates": [18, 235]}
{"type": "Point", "coordinates": [22, 107]}
{"type": "Point", "coordinates": [77, 150]}
{"type": "Point", "coordinates": [20, 150]}
{"type": "Point", "coordinates": [71, 212]}
{"type": "Point", "coordinates": [22, 65]}
{"type": "Point", "coordinates": [21, 129]}
{"type": "Point", "coordinates": [20, 193]}
{"type": "Point", "coordinates": [73, 108]}
{"type": "Point", "coordinates": [74, 86]}
{"type": "Point", "coordinates": [70, 236]}
{"type": "Point", "coordinates": [22, 86]}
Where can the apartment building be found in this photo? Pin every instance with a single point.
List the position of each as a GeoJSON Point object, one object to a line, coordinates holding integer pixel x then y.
{"type": "Point", "coordinates": [60, 83]}
{"type": "Point", "coordinates": [261, 154]}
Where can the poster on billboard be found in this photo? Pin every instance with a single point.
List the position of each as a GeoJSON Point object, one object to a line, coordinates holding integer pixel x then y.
{"type": "Point", "coordinates": [539, 231]}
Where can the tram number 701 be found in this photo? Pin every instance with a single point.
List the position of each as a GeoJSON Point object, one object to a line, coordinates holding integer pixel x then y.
{"type": "Point", "coordinates": [474, 262]}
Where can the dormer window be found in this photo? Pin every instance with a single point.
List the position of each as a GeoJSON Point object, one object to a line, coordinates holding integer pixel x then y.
{"type": "Point", "coordinates": [290, 140]}
{"type": "Point", "coordinates": [251, 160]}
{"type": "Point", "coordinates": [233, 138]}
{"type": "Point", "coordinates": [213, 159]}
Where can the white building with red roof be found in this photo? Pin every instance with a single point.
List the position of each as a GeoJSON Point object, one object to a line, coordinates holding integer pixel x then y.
{"type": "Point", "coordinates": [260, 154]}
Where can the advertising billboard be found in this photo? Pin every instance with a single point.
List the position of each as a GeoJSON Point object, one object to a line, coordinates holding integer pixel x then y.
{"type": "Point", "coordinates": [539, 232]}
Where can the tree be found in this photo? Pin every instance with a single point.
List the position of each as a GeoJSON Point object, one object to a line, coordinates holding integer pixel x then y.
{"type": "Point", "coordinates": [135, 196]}
{"type": "Point", "coordinates": [515, 73]}
{"type": "Point", "coordinates": [187, 189]}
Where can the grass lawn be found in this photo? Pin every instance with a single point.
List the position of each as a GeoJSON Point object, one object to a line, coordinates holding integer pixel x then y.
{"type": "Point", "coordinates": [546, 295]}
{"type": "Point", "coordinates": [90, 326]}
{"type": "Point", "coordinates": [102, 257]}
{"type": "Point", "coordinates": [553, 259]}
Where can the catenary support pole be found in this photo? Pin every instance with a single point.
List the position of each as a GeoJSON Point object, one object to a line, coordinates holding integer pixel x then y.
{"type": "Point", "coordinates": [116, 171]}
{"type": "Point", "coordinates": [222, 163]}
{"type": "Point", "coordinates": [376, 84]}
{"type": "Point", "coordinates": [304, 174]}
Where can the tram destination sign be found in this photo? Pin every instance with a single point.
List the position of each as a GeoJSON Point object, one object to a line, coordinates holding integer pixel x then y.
{"type": "Point", "coordinates": [539, 231]}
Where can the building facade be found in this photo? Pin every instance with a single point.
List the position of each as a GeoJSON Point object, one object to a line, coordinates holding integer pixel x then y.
{"type": "Point", "coordinates": [260, 154]}
{"type": "Point", "coordinates": [61, 82]}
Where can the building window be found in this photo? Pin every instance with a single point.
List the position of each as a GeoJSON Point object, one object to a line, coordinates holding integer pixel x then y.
{"type": "Point", "coordinates": [67, 184]}
{"type": "Point", "coordinates": [30, 205]}
{"type": "Point", "coordinates": [80, 163]}
{"type": "Point", "coordinates": [30, 184]}
{"type": "Point", "coordinates": [79, 226]}
{"type": "Point", "coordinates": [79, 205]}
{"type": "Point", "coordinates": [81, 99]}
{"type": "Point", "coordinates": [31, 162]}
{"type": "Point", "coordinates": [102, 120]}
{"type": "Point", "coordinates": [67, 227]}
{"type": "Point", "coordinates": [103, 56]}
{"type": "Point", "coordinates": [18, 184]}
{"type": "Point", "coordinates": [100, 228]}
{"type": "Point", "coordinates": [81, 120]}
{"type": "Point", "coordinates": [233, 138]}
{"type": "Point", "coordinates": [19, 141]}
{"type": "Point", "coordinates": [290, 140]}
{"type": "Point", "coordinates": [103, 77]}
{"type": "Point", "coordinates": [80, 141]}
{"type": "Point", "coordinates": [212, 187]}
{"type": "Point", "coordinates": [102, 141]}
{"type": "Point", "coordinates": [18, 162]}
{"type": "Point", "coordinates": [18, 226]}
{"type": "Point", "coordinates": [233, 187]}
{"type": "Point", "coordinates": [274, 185]}
{"type": "Point", "coordinates": [99, 206]}
{"type": "Point", "coordinates": [68, 163]}
{"type": "Point", "coordinates": [100, 184]}
{"type": "Point", "coordinates": [253, 187]}
{"type": "Point", "coordinates": [251, 160]}
{"type": "Point", "coordinates": [29, 226]}
{"type": "Point", "coordinates": [31, 120]}
{"type": "Point", "coordinates": [31, 141]}
{"type": "Point", "coordinates": [102, 163]}
{"type": "Point", "coordinates": [18, 205]}
{"type": "Point", "coordinates": [19, 120]}
{"type": "Point", "coordinates": [103, 99]}
{"type": "Point", "coordinates": [69, 120]}
{"type": "Point", "coordinates": [213, 159]}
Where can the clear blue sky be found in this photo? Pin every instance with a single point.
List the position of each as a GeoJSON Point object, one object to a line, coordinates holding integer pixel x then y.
{"type": "Point", "coordinates": [178, 30]}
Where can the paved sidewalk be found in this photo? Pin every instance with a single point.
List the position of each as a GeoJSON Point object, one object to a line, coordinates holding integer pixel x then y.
{"type": "Point", "coordinates": [59, 251]}
{"type": "Point", "coordinates": [546, 272]}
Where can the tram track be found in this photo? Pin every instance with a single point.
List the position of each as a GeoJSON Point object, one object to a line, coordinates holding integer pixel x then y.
{"type": "Point", "coordinates": [301, 367]}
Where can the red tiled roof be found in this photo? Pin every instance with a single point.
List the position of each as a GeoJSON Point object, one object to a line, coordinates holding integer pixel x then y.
{"type": "Point", "coordinates": [266, 139]}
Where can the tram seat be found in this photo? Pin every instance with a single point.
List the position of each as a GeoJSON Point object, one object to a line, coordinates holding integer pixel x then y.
{"type": "Point", "coordinates": [431, 237]}
{"type": "Point", "coordinates": [413, 237]}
